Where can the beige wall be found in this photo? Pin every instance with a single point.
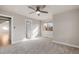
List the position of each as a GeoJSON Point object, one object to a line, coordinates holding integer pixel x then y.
{"type": "Point", "coordinates": [66, 27]}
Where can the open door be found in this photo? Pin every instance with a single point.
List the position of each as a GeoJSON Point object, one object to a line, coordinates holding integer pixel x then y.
{"type": "Point", "coordinates": [5, 31]}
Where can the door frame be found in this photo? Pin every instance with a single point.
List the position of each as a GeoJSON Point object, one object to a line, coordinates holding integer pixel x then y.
{"type": "Point", "coordinates": [10, 27]}
{"type": "Point", "coordinates": [26, 28]}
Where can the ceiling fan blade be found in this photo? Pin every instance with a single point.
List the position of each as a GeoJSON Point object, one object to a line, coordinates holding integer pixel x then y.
{"type": "Point", "coordinates": [31, 12]}
{"type": "Point", "coordinates": [31, 7]}
{"type": "Point", "coordinates": [44, 11]}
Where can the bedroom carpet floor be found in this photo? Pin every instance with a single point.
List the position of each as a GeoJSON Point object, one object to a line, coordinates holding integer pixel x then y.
{"type": "Point", "coordinates": [38, 46]}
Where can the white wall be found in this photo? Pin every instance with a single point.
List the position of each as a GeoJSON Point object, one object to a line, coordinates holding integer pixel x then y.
{"type": "Point", "coordinates": [66, 27]}
{"type": "Point", "coordinates": [19, 23]}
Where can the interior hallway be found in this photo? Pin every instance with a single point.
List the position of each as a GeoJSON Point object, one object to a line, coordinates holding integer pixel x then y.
{"type": "Point", "coordinates": [38, 46]}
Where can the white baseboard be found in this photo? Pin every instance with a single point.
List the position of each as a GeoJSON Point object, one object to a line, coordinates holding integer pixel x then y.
{"type": "Point", "coordinates": [63, 43]}
{"type": "Point", "coordinates": [71, 45]}
{"type": "Point", "coordinates": [17, 42]}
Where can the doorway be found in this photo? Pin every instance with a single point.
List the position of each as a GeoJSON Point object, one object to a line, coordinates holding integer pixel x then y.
{"type": "Point", "coordinates": [28, 29]}
{"type": "Point", "coordinates": [5, 31]}
{"type": "Point", "coordinates": [33, 29]}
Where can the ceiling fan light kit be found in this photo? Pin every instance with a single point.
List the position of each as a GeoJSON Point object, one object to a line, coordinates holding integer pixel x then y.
{"type": "Point", "coordinates": [38, 13]}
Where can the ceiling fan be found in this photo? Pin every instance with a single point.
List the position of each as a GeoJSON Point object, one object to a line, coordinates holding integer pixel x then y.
{"type": "Point", "coordinates": [37, 9]}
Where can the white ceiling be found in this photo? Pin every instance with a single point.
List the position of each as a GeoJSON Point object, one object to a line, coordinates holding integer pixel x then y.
{"type": "Point", "coordinates": [24, 10]}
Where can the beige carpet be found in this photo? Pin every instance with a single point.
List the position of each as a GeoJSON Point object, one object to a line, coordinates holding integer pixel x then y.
{"type": "Point", "coordinates": [38, 46]}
